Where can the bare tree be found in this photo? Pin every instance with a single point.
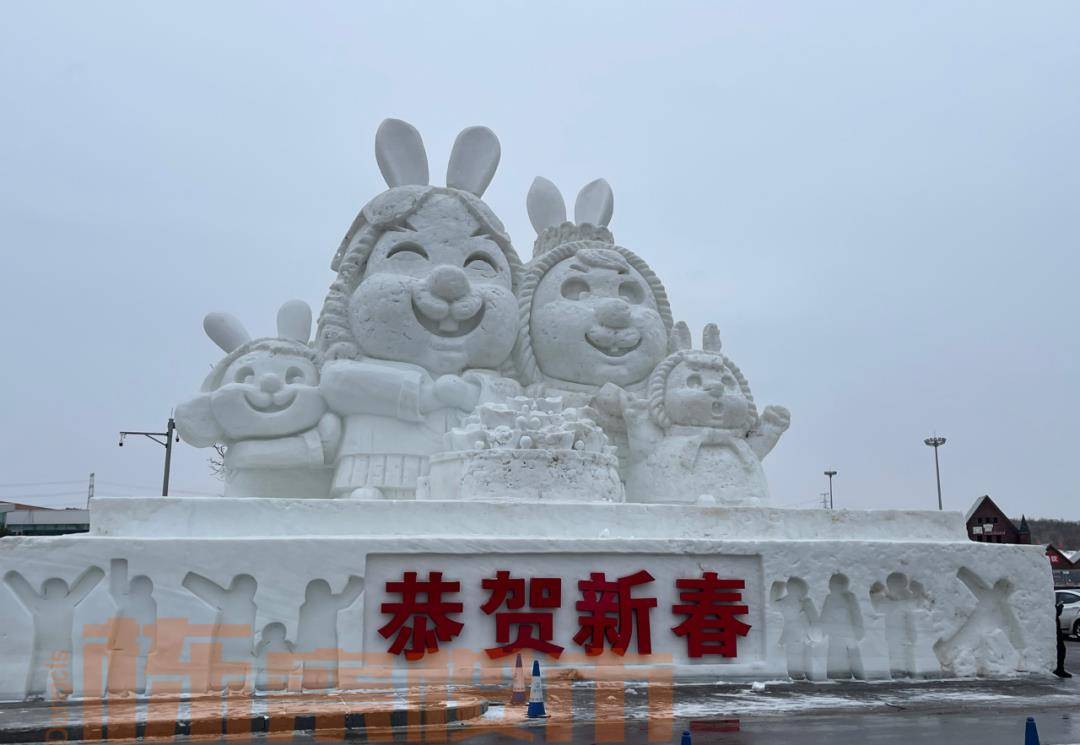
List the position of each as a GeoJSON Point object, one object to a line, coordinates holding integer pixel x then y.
{"type": "Point", "coordinates": [217, 462]}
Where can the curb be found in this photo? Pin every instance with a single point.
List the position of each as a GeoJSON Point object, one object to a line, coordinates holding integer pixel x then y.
{"type": "Point", "coordinates": [344, 722]}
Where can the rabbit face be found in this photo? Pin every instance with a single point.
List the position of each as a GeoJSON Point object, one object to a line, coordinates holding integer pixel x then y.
{"type": "Point", "coordinates": [264, 394]}
{"type": "Point", "coordinates": [594, 319]}
{"type": "Point", "coordinates": [436, 292]}
{"type": "Point", "coordinates": [704, 393]}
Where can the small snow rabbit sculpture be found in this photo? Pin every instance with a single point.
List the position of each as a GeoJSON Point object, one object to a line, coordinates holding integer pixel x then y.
{"type": "Point", "coordinates": [262, 401]}
{"type": "Point", "coordinates": [594, 317]}
{"type": "Point", "coordinates": [422, 315]}
{"type": "Point", "coordinates": [699, 432]}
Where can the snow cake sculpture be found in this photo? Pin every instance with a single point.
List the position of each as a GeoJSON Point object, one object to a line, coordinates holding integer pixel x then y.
{"type": "Point", "coordinates": [475, 456]}
{"type": "Point", "coordinates": [699, 432]}
{"type": "Point", "coordinates": [262, 402]}
{"type": "Point", "coordinates": [527, 450]}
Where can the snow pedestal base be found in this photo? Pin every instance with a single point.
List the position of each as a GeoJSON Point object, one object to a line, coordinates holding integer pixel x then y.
{"type": "Point", "coordinates": [292, 594]}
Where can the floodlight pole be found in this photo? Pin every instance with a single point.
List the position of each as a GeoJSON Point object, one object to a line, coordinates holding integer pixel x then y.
{"type": "Point", "coordinates": [830, 474]}
{"type": "Point", "coordinates": [936, 442]}
{"type": "Point", "coordinates": [169, 434]}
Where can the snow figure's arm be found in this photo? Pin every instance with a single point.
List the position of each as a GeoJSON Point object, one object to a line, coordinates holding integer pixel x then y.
{"type": "Point", "coordinates": [1012, 626]}
{"type": "Point", "coordinates": [303, 450]}
{"type": "Point", "coordinates": [774, 422]}
{"type": "Point", "coordinates": [86, 582]}
{"type": "Point", "coordinates": [330, 434]}
{"type": "Point", "coordinates": [23, 591]}
{"type": "Point", "coordinates": [205, 590]}
{"type": "Point", "coordinates": [973, 581]}
{"type": "Point", "coordinates": [353, 588]}
{"type": "Point", "coordinates": [493, 388]}
{"type": "Point", "coordinates": [196, 424]}
{"type": "Point", "coordinates": [642, 432]}
{"type": "Point", "coordinates": [776, 592]}
{"type": "Point", "coordinates": [813, 620]}
{"type": "Point", "coordinates": [118, 580]}
{"type": "Point", "coordinates": [856, 616]}
{"type": "Point", "coordinates": [352, 387]}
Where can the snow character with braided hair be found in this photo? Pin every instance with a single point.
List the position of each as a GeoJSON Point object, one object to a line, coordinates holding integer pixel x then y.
{"type": "Point", "coordinates": [420, 322]}
{"type": "Point", "coordinates": [699, 433]}
{"type": "Point", "coordinates": [594, 317]}
{"type": "Point", "coordinates": [262, 402]}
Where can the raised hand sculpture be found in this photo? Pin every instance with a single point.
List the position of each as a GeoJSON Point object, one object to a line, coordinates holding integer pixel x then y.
{"type": "Point", "coordinates": [262, 402]}
{"type": "Point", "coordinates": [422, 316]}
{"type": "Point", "coordinates": [699, 432]}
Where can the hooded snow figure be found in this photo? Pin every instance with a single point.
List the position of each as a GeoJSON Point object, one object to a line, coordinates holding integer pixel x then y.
{"type": "Point", "coordinates": [422, 318]}
{"type": "Point", "coordinates": [594, 317]}
{"type": "Point", "coordinates": [262, 402]}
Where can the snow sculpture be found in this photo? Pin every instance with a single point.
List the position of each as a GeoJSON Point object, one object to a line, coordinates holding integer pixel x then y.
{"type": "Point", "coordinates": [528, 449]}
{"type": "Point", "coordinates": [699, 431]}
{"type": "Point", "coordinates": [593, 314]}
{"type": "Point", "coordinates": [133, 635]}
{"type": "Point", "coordinates": [842, 622]}
{"type": "Point", "coordinates": [53, 611]}
{"type": "Point", "coordinates": [263, 403]}
{"type": "Point", "coordinates": [234, 624]}
{"type": "Point", "coordinates": [900, 599]}
{"type": "Point", "coordinates": [317, 631]}
{"type": "Point", "coordinates": [800, 624]}
{"type": "Point", "coordinates": [274, 658]}
{"type": "Point", "coordinates": [422, 314]}
{"type": "Point", "coordinates": [989, 639]}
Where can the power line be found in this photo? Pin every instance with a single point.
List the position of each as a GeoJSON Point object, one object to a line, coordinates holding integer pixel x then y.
{"type": "Point", "coordinates": [42, 483]}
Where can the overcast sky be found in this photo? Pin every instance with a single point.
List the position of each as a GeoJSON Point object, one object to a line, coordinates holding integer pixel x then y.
{"type": "Point", "coordinates": [877, 203]}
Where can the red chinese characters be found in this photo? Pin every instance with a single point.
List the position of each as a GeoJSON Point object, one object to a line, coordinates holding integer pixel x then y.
{"type": "Point", "coordinates": [610, 612]}
{"type": "Point", "coordinates": [433, 608]}
{"type": "Point", "coordinates": [532, 629]}
{"type": "Point", "coordinates": [710, 605]}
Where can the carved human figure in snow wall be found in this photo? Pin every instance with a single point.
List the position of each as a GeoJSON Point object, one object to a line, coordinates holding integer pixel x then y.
{"type": "Point", "coordinates": [262, 402]}
{"type": "Point", "coordinates": [421, 320]}
{"type": "Point", "coordinates": [699, 431]}
{"type": "Point", "coordinates": [594, 317]}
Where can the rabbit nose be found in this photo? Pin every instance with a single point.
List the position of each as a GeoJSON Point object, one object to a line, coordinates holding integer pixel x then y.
{"type": "Point", "coordinates": [614, 314]}
{"type": "Point", "coordinates": [270, 383]}
{"type": "Point", "coordinates": [448, 283]}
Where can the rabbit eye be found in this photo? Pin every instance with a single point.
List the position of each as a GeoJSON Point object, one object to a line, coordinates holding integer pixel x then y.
{"type": "Point", "coordinates": [481, 262]}
{"type": "Point", "coordinates": [631, 292]}
{"type": "Point", "coordinates": [407, 249]}
{"type": "Point", "coordinates": [693, 381]}
{"type": "Point", "coordinates": [294, 375]}
{"type": "Point", "coordinates": [245, 375]}
{"type": "Point", "coordinates": [575, 289]}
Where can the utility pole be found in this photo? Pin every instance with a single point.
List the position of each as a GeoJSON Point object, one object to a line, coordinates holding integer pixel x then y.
{"type": "Point", "coordinates": [824, 500]}
{"type": "Point", "coordinates": [90, 491]}
{"type": "Point", "coordinates": [168, 435]}
{"type": "Point", "coordinates": [830, 474]}
{"type": "Point", "coordinates": [935, 442]}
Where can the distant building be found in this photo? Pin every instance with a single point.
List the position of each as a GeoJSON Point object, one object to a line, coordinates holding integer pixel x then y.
{"type": "Point", "coordinates": [987, 523]}
{"type": "Point", "coordinates": [24, 519]}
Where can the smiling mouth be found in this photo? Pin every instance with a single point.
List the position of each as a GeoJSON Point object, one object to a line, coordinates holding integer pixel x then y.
{"type": "Point", "coordinates": [613, 351]}
{"type": "Point", "coordinates": [265, 403]}
{"type": "Point", "coordinates": [449, 327]}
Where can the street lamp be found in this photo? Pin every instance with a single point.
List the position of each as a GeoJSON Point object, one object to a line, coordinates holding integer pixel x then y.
{"type": "Point", "coordinates": [935, 442]}
{"type": "Point", "coordinates": [168, 435]}
{"type": "Point", "coordinates": [830, 474]}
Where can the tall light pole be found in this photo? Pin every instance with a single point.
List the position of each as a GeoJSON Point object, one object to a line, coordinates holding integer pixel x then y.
{"type": "Point", "coordinates": [830, 474]}
{"type": "Point", "coordinates": [935, 442]}
{"type": "Point", "coordinates": [168, 434]}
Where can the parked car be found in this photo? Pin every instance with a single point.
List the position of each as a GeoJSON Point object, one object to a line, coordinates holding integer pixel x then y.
{"type": "Point", "coordinates": [1070, 614]}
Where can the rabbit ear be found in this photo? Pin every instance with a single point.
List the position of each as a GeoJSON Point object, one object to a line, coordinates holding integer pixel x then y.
{"type": "Point", "coordinates": [473, 160]}
{"type": "Point", "coordinates": [680, 337]}
{"type": "Point", "coordinates": [594, 204]}
{"type": "Point", "coordinates": [400, 154]}
{"type": "Point", "coordinates": [294, 321]}
{"type": "Point", "coordinates": [225, 330]}
{"type": "Point", "coordinates": [710, 338]}
{"type": "Point", "coordinates": [545, 205]}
